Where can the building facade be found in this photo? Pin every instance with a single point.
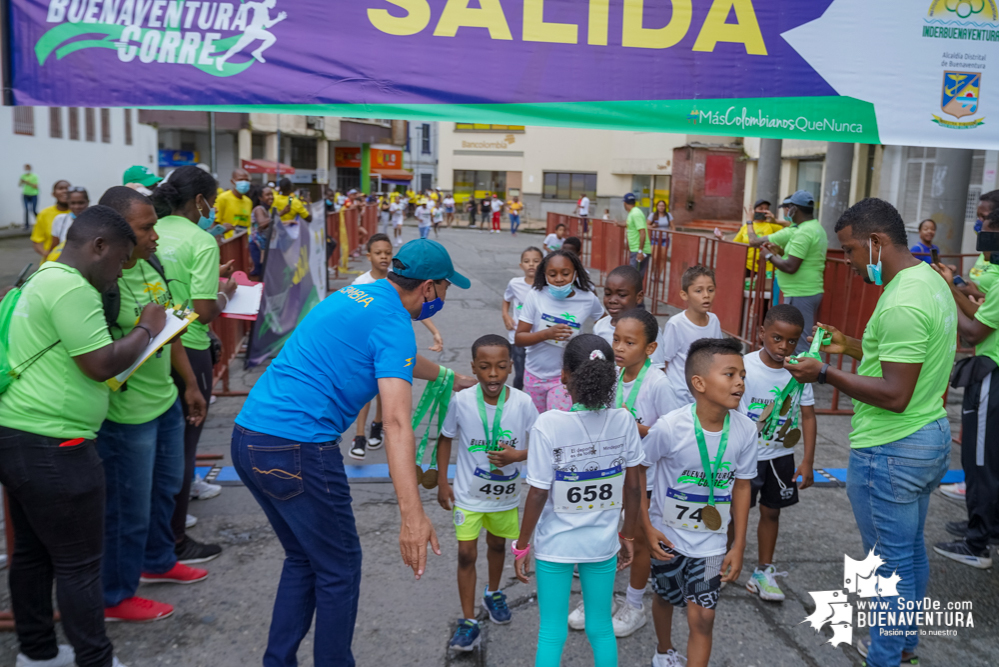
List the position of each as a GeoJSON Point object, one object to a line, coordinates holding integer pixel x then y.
{"type": "Point", "coordinates": [420, 154]}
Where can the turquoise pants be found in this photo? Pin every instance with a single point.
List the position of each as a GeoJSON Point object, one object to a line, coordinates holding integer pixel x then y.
{"type": "Point", "coordinates": [554, 586]}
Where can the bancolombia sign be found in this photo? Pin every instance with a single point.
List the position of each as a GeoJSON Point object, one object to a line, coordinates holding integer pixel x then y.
{"type": "Point", "coordinates": [757, 67]}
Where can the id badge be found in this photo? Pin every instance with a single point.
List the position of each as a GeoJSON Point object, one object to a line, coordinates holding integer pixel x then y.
{"type": "Point", "coordinates": [548, 321]}
{"type": "Point", "coordinates": [682, 511]}
{"type": "Point", "coordinates": [588, 491]}
{"type": "Point", "coordinates": [492, 487]}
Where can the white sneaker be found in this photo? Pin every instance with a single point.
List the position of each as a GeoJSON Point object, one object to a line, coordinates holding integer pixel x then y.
{"type": "Point", "coordinates": [202, 490]}
{"type": "Point", "coordinates": [577, 619]}
{"type": "Point", "coordinates": [627, 620]}
{"type": "Point", "coordinates": [668, 659]}
{"type": "Point", "coordinates": [954, 491]}
{"type": "Point", "coordinates": [117, 663]}
{"type": "Point", "coordinates": [65, 658]}
{"type": "Point", "coordinates": [190, 521]}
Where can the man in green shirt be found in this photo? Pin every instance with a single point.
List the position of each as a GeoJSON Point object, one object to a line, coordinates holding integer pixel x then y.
{"type": "Point", "coordinates": [798, 253]}
{"type": "Point", "coordinates": [141, 443]}
{"type": "Point", "coordinates": [900, 444]}
{"type": "Point", "coordinates": [979, 325]}
{"type": "Point", "coordinates": [29, 191]}
{"type": "Point", "coordinates": [637, 231]}
{"type": "Point", "coordinates": [59, 346]}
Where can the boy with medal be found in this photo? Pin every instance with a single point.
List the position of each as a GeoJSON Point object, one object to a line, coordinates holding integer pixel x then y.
{"type": "Point", "coordinates": [703, 457]}
{"type": "Point", "coordinates": [491, 422]}
{"type": "Point", "coordinates": [768, 392]}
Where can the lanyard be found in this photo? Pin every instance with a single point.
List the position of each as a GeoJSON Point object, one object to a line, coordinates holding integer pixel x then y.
{"type": "Point", "coordinates": [435, 399]}
{"type": "Point", "coordinates": [702, 448]}
{"type": "Point", "coordinates": [635, 388]}
{"type": "Point", "coordinates": [497, 418]}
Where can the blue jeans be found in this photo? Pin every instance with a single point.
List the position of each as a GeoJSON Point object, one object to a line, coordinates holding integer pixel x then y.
{"type": "Point", "coordinates": [514, 222]}
{"type": "Point", "coordinates": [424, 231]}
{"type": "Point", "coordinates": [889, 487]}
{"type": "Point", "coordinates": [303, 490]}
{"type": "Point", "coordinates": [143, 471]}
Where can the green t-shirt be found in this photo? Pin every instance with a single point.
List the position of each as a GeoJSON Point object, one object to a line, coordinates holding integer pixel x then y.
{"type": "Point", "coordinates": [30, 186]}
{"type": "Point", "coordinates": [980, 276]}
{"type": "Point", "coordinates": [53, 397]}
{"type": "Point", "coordinates": [150, 391]}
{"type": "Point", "coordinates": [190, 257]}
{"type": "Point", "coordinates": [636, 221]}
{"type": "Point", "coordinates": [988, 314]}
{"type": "Point", "coordinates": [914, 322]}
{"type": "Point", "coordinates": [807, 241]}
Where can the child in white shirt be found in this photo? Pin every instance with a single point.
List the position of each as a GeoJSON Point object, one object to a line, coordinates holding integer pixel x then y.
{"type": "Point", "coordinates": [513, 302]}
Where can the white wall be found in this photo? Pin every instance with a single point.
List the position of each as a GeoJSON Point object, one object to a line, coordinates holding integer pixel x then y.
{"type": "Point", "coordinates": [94, 165]}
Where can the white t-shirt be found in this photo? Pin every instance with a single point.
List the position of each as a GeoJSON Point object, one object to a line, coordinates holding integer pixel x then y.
{"type": "Point", "coordinates": [61, 224]}
{"type": "Point", "coordinates": [542, 311]}
{"type": "Point", "coordinates": [477, 488]}
{"type": "Point", "coordinates": [678, 333]}
{"type": "Point", "coordinates": [584, 207]}
{"type": "Point", "coordinates": [581, 456]}
{"type": "Point", "coordinates": [762, 385]}
{"type": "Point", "coordinates": [553, 241]}
{"type": "Point", "coordinates": [516, 293]}
{"type": "Point", "coordinates": [496, 205]}
{"type": "Point", "coordinates": [423, 213]}
{"type": "Point", "coordinates": [605, 330]}
{"type": "Point", "coordinates": [395, 208]}
{"type": "Point", "coordinates": [653, 401]}
{"type": "Point", "coordinates": [438, 214]}
{"type": "Point", "coordinates": [364, 279]}
{"type": "Point", "coordinates": [449, 201]}
{"type": "Point", "coordinates": [663, 222]}
{"type": "Point", "coordinates": [674, 463]}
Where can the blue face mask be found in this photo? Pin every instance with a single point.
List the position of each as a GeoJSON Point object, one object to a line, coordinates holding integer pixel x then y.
{"type": "Point", "coordinates": [205, 223]}
{"type": "Point", "coordinates": [978, 225]}
{"type": "Point", "coordinates": [562, 292]}
{"type": "Point", "coordinates": [242, 187]}
{"type": "Point", "coordinates": [329, 203]}
{"type": "Point", "coordinates": [430, 308]}
{"type": "Point", "coordinates": [873, 270]}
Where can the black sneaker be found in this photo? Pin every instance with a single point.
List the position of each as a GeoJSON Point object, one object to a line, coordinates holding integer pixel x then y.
{"type": "Point", "coordinates": [190, 552]}
{"type": "Point", "coordinates": [960, 529]}
{"type": "Point", "coordinates": [962, 553]}
{"type": "Point", "coordinates": [375, 439]}
{"type": "Point", "coordinates": [357, 450]}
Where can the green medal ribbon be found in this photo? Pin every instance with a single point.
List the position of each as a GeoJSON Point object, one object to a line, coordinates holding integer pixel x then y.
{"type": "Point", "coordinates": [579, 407]}
{"type": "Point", "coordinates": [702, 448]}
{"type": "Point", "coordinates": [636, 387]}
{"type": "Point", "coordinates": [794, 388]}
{"type": "Point", "coordinates": [435, 400]}
{"type": "Point", "coordinates": [496, 429]}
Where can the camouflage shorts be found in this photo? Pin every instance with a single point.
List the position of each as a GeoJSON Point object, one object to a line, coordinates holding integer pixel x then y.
{"type": "Point", "coordinates": [685, 579]}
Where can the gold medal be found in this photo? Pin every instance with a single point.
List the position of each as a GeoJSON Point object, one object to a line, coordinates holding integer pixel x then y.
{"type": "Point", "coordinates": [784, 429]}
{"type": "Point", "coordinates": [786, 407]}
{"type": "Point", "coordinates": [792, 438]}
{"type": "Point", "coordinates": [419, 474]}
{"type": "Point", "coordinates": [711, 517]}
{"type": "Point", "coordinates": [430, 479]}
{"type": "Point", "coordinates": [765, 415]}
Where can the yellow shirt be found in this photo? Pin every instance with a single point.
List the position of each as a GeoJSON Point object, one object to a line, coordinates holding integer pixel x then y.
{"type": "Point", "coordinates": [233, 209]}
{"type": "Point", "coordinates": [515, 206]}
{"type": "Point", "coordinates": [297, 207]}
{"type": "Point", "coordinates": [42, 231]}
{"type": "Point", "coordinates": [761, 229]}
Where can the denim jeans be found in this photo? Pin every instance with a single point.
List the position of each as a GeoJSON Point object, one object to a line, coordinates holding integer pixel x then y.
{"type": "Point", "coordinates": [56, 493]}
{"type": "Point", "coordinates": [642, 266]}
{"type": "Point", "coordinates": [303, 490]}
{"type": "Point", "coordinates": [30, 206]}
{"type": "Point", "coordinates": [201, 363]}
{"type": "Point", "coordinates": [514, 222]}
{"type": "Point", "coordinates": [889, 487]}
{"type": "Point", "coordinates": [143, 470]}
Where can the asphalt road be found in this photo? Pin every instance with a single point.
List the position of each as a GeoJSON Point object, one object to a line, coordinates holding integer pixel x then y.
{"type": "Point", "coordinates": [223, 622]}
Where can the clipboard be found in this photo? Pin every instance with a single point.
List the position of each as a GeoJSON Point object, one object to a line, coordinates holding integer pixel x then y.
{"type": "Point", "coordinates": [245, 302]}
{"type": "Point", "coordinates": [176, 321]}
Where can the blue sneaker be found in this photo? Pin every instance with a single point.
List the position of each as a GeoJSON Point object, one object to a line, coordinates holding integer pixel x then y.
{"type": "Point", "coordinates": [495, 605]}
{"type": "Point", "coordinates": [466, 637]}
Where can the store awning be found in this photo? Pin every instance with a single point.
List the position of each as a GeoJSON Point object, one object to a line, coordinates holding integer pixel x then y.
{"type": "Point", "coordinates": [395, 176]}
{"type": "Point", "coordinates": [267, 167]}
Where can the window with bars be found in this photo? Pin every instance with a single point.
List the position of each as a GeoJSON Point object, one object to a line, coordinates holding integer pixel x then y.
{"type": "Point", "coordinates": [74, 123]}
{"type": "Point", "coordinates": [55, 122]}
{"type": "Point", "coordinates": [426, 139]}
{"type": "Point", "coordinates": [106, 126]}
{"type": "Point", "coordinates": [568, 186]}
{"type": "Point", "coordinates": [90, 124]}
{"type": "Point", "coordinates": [128, 127]}
{"type": "Point", "coordinates": [24, 121]}
{"type": "Point", "coordinates": [924, 182]}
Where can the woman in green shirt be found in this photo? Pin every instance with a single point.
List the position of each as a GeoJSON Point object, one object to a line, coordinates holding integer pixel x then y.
{"type": "Point", "coordinates": [184, 203]}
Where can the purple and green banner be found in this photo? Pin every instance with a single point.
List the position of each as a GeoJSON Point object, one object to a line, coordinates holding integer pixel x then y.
{"type": "Point", "coordinates": [294, 282]}
{"type": "Point", "coordinates": [892, 71]}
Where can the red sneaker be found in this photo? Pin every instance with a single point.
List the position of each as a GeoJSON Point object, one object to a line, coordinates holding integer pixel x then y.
{"type": "Point", "coordinates": [178, 574]}
{"type": "Point", "coordinates": [137, 610]}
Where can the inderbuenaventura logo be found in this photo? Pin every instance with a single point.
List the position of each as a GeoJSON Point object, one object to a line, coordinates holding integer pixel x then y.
{"type": "Point", "coordinates": [202, 34]}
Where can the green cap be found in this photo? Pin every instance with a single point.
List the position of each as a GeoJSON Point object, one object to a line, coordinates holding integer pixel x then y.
{"type": "Point", "coordinates": [424, 259]}
{"type": "Point", "coordinates": [141, 175]}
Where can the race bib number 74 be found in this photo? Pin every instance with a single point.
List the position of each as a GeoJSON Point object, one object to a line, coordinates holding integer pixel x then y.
{"type": "Point", "coordinates": [682, 511]}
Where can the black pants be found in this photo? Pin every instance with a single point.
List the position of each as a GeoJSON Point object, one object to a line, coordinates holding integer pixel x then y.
{"type": "Point", "coordinates": [980, 459]}
{"type": "Point", "coordinates": [519, 355]}
{"type": "Point", "coordinates": [201, 362]}
{"type": "Point", "coordinates": [57, 514]}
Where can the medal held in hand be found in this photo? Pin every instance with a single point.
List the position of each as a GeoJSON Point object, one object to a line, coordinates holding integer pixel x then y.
{"type": "Point", "coordinates": [434, 400]}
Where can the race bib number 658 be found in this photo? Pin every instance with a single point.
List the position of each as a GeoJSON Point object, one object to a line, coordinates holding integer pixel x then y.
{"type": "Point", "coordinates": [588, 491]}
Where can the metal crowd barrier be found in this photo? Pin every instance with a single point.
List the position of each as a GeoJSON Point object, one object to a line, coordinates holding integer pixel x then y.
{"type": "Point", "coordinates": [232, 333]}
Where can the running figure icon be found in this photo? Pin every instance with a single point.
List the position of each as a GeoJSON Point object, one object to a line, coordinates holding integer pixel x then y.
{"type": "Point", "coordinates": [259, 25]}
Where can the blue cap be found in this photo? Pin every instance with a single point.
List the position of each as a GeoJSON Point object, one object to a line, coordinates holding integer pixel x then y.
{"type": "Point", "coordinates": [800, 198]}
{"type": "Point", "coordinates": [424, 259]}
{"type": "Point", "coordinates": [629, 198]}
